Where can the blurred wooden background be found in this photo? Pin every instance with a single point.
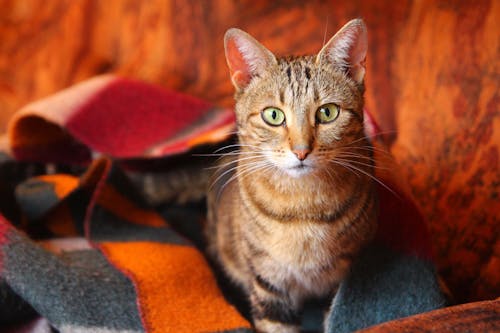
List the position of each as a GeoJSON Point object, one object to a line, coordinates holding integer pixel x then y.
{"type": "Point", "coordinates": [49, 45]}
{"type": "Point", "coordinates": [432, 83]}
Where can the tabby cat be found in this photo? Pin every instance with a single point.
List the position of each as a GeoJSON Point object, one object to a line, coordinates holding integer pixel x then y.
{"type": "Point", "coordinates": [293, 205]}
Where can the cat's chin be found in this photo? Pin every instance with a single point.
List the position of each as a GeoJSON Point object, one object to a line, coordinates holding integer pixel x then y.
{"type": "Point", "coordinates": [299, 170]}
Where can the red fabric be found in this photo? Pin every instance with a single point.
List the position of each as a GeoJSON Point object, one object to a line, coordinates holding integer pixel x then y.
{"type": "Point", "coordinates": [128, 116]}
{"type": "Point", "coordinates": [118, 117]}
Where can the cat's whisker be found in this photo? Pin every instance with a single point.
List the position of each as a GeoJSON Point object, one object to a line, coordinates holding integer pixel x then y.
{"type": "Point", "coordinates": [332, 176]}
{"type": "Point", "coordinates": [215, 167]}
{"type": "Point", "coordinates": [228, 181]}
{"type": "Point", "coordinates": [367, 140]}
{"type": "Point", "coordinates": [347, 166]}
{"type": "Point", "coordinates": [372, 148]}
{"type": "Point", "coordinates": [340, 158]}
{"type": "Point", "coordinates": [363, 150]}
{"type": "Point", "coordinates": [358, 140]}
{"type": "Point", "coordinates": [356, 156]}
{"type": "Point", "coordinates": [326, 29]}
{"type": "Point", "coordinates": [245, 170]}
{"type": "Point", "coordinates": [241, 159]}
{"type": "Point", "coordinates": [262, 168]}
{"type": "Point", "coordinates": [384, 133]}
{"type": "Point", "coordinates": [366, 147]}
{"type": "Point", "coordinates": [347, 154]}
{"type": "Point", "coordinates": [221, 176]}
{"type": "Point", "coordinates": [362, 159]}
{"type": "Point", "coordinates": [234, 161]}
{"type": "Point", "coordinates": [229, 154]}
{"type": "Point", "coordinates": [250, 164]}
{"type": "Point", "coordinates": [237, 145]}
{"type": "Point", "coordinates": [233, 153]}
{"type": "Point", "coordinates": [233, 132]}
{"type": "Point", "coordinates": [351, 159]}
{"type": "Point", "coordinates": [352, 167]}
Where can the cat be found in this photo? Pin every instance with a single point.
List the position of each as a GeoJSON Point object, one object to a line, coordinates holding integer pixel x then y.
{"type": "Point", "coordinates": [295, 203]}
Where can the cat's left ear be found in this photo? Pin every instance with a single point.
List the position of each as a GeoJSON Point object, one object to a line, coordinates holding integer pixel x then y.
{"type": "Point", "coordinates": [347, 50]}
{"type": "Point", "coordinates": [246, 57]}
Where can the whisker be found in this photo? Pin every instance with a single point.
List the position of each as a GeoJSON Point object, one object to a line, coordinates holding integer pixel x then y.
{"type": "Point", "coordinates": [348, 154]}
{"type": "Point", "coordinates": [333, 177]}
{"type": "Point", "coordinates": [366, 174]}
{"type": "Point", "coordinates": [233, 132]}
{"type": "Point", "coordinates": [245, 171]}
{"type": "Point", "coordinates": [361, 163]}
{"type": "Point", "coordinates": [326, 29]}
{"type": "Point", "coordinates": [221, 175]}
{"type": "Point", "coordinates": [347, 166]}
{"type": "Point", "coordinates": [237, 145]}
{"type": "Point", "coordinates": [244, 165]}
{"type": "Point", "coordinates": [364, 148]}
{"type": "Point", "coordinates": [223, 165]}
{"type": "Point", "coordinates": [384, 133]}
{"type": "Point", "coordinates": [233, 153]}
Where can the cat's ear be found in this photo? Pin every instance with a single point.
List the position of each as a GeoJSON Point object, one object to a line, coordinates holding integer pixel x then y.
{"type": "Point", "coordinates": [347, 50]}
{"type": "Point", "coordinates": [246, 57]}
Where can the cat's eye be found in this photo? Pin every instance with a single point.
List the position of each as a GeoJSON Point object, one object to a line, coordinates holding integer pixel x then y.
{"type": "Point", "coordinates": [273, 116]}
{"type": "Point", "coordinates": [327, 113]}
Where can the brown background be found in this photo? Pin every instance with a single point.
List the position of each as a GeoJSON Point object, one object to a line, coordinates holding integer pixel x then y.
{"type": "Point", "coordinates": [432, 83]}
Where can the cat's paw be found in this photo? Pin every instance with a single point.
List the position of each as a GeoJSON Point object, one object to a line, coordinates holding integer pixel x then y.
{"type": "Point", "coordinates": [268, 326]}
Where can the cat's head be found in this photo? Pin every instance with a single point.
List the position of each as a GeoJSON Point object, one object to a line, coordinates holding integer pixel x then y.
{"type": "Point", "coordinates": [296, 114]}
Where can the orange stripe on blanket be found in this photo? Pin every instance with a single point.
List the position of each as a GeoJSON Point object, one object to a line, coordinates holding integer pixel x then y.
{"type": "Point", "coordinates": [213, 136]}
{"type": "Point", "coordinates": [112, 200]}
{"type": "Point", "coordinates": [176, 289]}
{"type": "Point", "coordinates": [63, 184]}
{"type": "Point", "coordinates": [60, 222]}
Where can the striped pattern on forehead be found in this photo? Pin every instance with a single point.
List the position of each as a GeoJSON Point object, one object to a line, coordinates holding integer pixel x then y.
{"type": "Point", "coordinates": [299, 83]}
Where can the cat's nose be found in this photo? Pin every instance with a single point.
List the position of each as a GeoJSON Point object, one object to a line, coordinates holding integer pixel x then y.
{"type": "Point", "coordinates": [301, 152]}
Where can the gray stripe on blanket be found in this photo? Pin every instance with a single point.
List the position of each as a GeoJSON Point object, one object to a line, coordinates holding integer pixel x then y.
{"type": "Point", "coordinates": [79, 288]}
{"type": "Point", "coordinates": [105, 226]}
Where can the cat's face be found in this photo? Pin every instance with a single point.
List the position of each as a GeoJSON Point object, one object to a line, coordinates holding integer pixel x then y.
{"type": "Point", "coordinates": [297, 115]}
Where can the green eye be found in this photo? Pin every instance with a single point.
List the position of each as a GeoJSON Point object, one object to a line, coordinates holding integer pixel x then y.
{"type": "Point", "coordinates": [273, 116]}
{"type": "Point", "coordinates": [327, 113]}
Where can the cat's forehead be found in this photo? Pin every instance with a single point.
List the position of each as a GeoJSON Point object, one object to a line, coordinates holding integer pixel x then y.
{"type": "Point", "coordinates": [301, 83]}
{"type": "Point", "coordinates": [297, 67]}
{"type": "Point", "coordinates": [299, 80]}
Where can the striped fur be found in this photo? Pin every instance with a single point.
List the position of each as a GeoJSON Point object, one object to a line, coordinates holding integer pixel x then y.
{"type": "Point", "coordinates": [284, 229]}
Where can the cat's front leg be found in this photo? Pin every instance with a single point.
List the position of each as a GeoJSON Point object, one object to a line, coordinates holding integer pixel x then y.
{"type": "Point", "coordinates": [273, 310]}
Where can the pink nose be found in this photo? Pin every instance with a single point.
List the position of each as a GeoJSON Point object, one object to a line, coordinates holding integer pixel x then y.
{"type": "Point", "coordinates": [301, 152]}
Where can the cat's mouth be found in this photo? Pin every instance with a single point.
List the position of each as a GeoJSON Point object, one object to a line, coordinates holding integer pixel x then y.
{"type": "Point", "coordinates": [300, 166]}
{"type": "Point", "coordinates": [299, 169]}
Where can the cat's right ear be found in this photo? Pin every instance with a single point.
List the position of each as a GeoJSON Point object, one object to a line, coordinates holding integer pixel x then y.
{"type": "Point", "coordinates": [347, 50]}
{"type": "Point", "coordinates": [246, 57]}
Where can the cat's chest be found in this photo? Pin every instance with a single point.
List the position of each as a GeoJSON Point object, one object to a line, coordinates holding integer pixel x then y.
{"type": "Point", "coordinates": [304, 259]}
{"type": "Point", "coordinates": [303, 245]}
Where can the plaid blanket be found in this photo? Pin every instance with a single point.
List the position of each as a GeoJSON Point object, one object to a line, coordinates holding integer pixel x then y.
{"type": "Point", "coordinates": [84, 251]}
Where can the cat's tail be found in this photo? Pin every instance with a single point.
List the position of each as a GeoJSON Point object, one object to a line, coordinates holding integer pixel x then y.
{"type": "Point", "coordinates": [182, 179]}
{"type": "Point", "coordinates": [178, 185]}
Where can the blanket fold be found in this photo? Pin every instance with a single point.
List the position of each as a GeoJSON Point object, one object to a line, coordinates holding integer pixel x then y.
{"type": "Point", "coordinates": [115, 116]}
{"type": "Point", "coordinates": [126, 271]}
